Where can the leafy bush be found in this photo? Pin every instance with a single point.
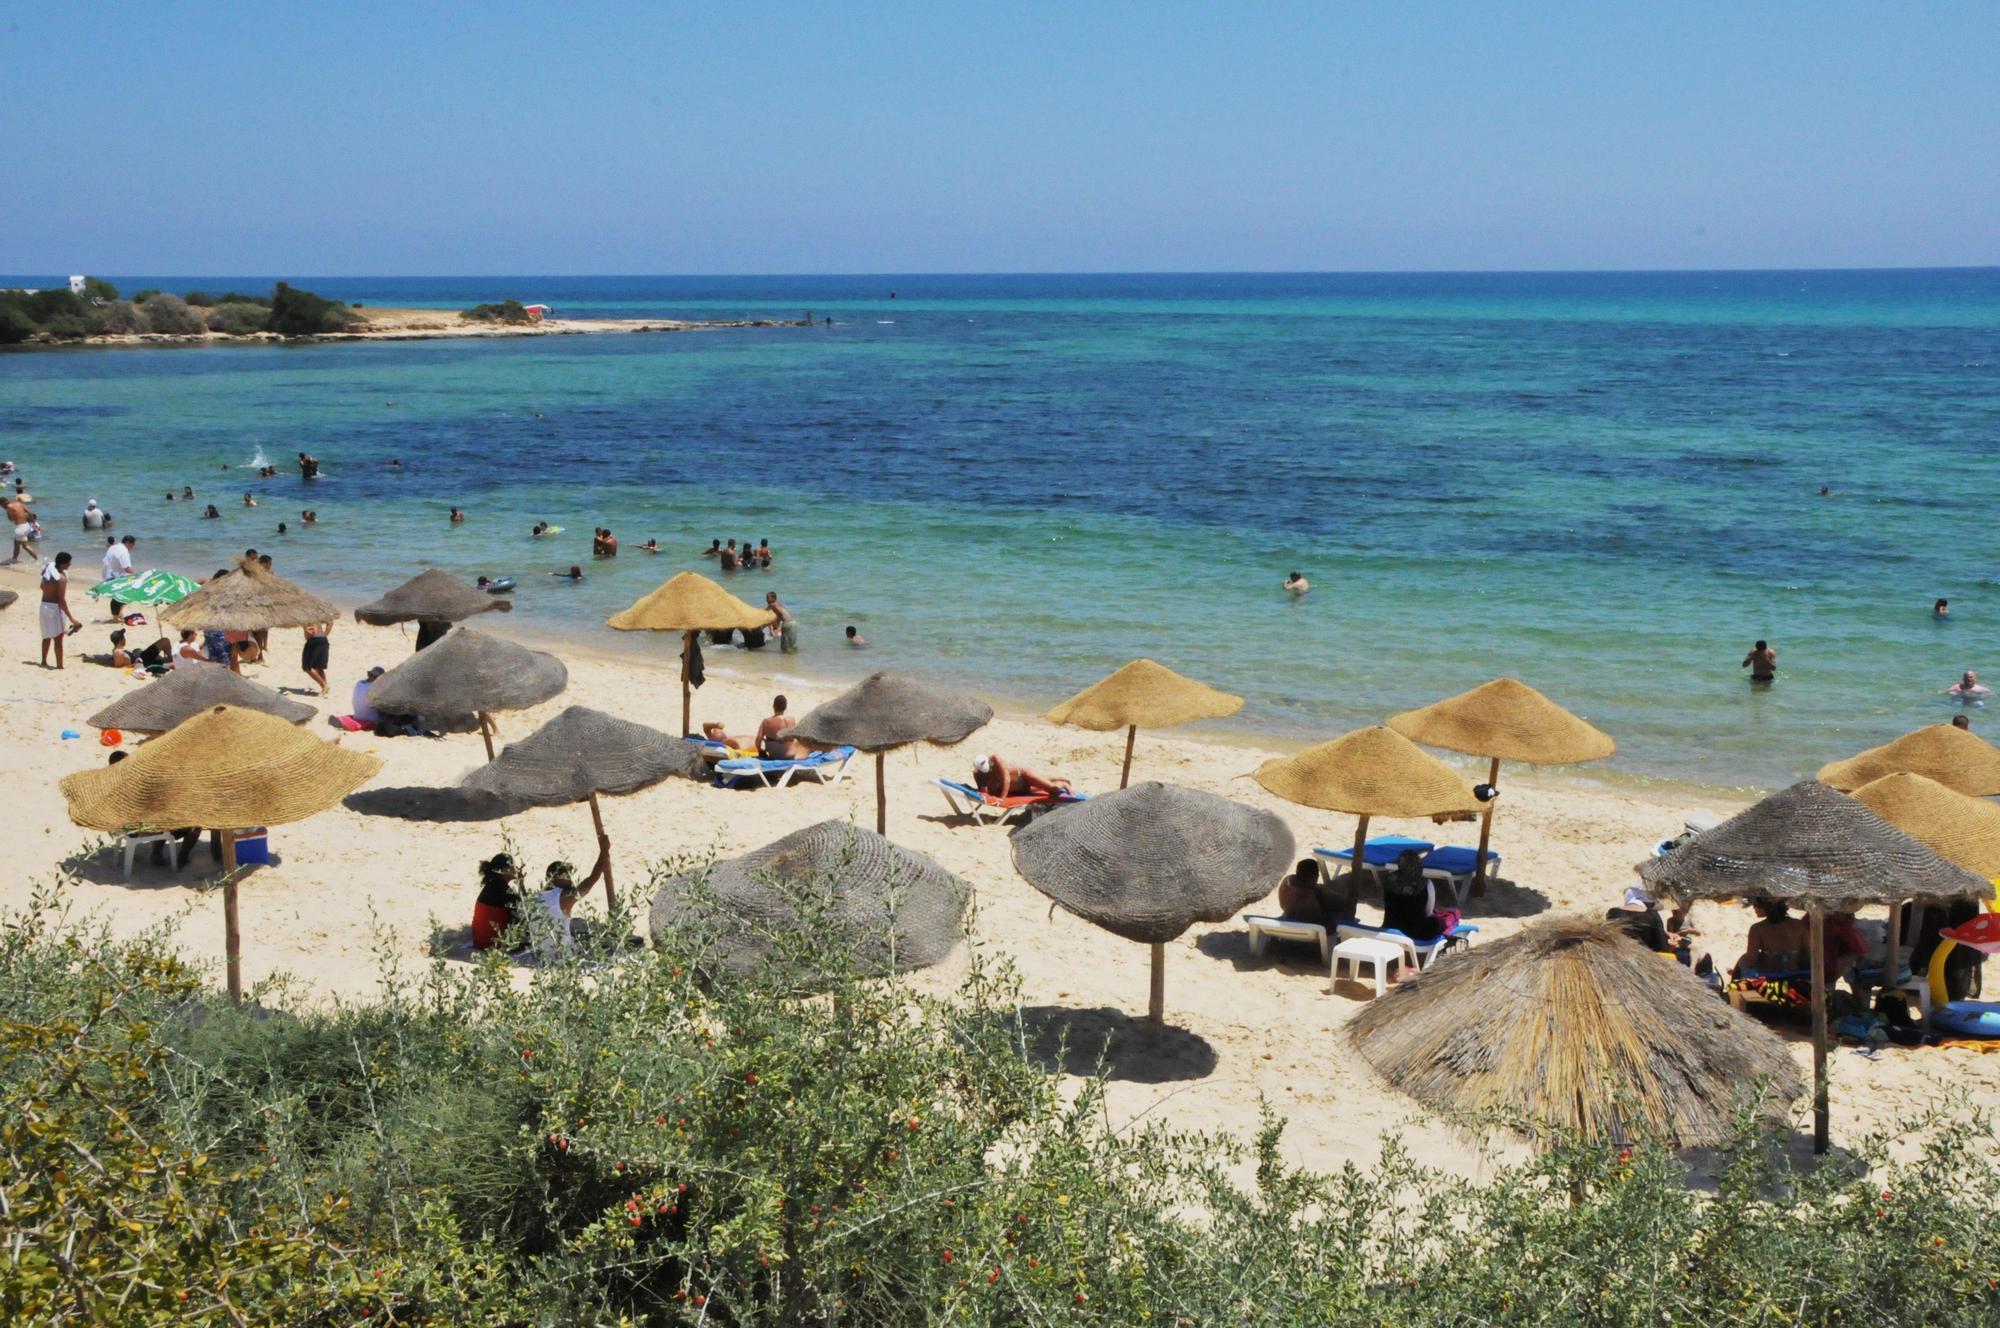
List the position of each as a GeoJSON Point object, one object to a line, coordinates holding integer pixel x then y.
{"type": "Point", "coordinates": [297, 313]}
{"type": "Point", "coordinates": [119, 318]}
{"type": "Point", "coordinates": [200, 299]}
{"type": "Point", "coordinates": [16, 325]}
{"type": "Point", "coordinates": [99, 291]}
{"type": "Point", "coordinates": [236, 297]}
{"type": "Point", "coordinates": [647, 1137]}
{"type": "Point", "coordinates": [506, 311]}
{"type": "Point", "coordinates": [171, 315]}
{"type": "Point", "coordinates": [145, 295]}
{"type": "Point", "coordinates": [239, 319]}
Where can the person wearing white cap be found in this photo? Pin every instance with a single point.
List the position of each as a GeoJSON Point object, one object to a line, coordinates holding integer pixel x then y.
{"type": "Point", "coordinates": [94, 517]}
{"type": "Point", "coordinates": [1639, 915]}
{"type": "Point", "coordinates": [363, 710]}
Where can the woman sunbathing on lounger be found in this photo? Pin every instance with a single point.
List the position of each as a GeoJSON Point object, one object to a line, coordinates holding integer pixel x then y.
{"type": "Point", "coordinates": [995, 778]}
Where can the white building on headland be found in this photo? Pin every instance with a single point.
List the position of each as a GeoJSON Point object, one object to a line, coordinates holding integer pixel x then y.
{"type": "Point", "coordinates": [76, 285]}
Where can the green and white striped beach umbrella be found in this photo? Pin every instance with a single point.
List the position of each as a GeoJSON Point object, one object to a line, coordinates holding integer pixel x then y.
{"type": "Point", "coordinates": [152, 587]}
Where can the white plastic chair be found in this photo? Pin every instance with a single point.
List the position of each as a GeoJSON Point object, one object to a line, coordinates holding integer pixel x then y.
{"type": "Point", "coordinates": [131, 845]}
{"type": "Point", "coordinates": [1263, 928]}
{"type": "Point", "coordinates": [1355, 951]}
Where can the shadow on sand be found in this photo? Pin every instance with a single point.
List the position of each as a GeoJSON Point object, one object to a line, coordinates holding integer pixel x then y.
{"type": "Point", "coordinates": [1071, 1041]}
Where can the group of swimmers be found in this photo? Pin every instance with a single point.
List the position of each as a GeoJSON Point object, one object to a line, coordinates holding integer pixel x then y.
{"type": "Point", "coordinates": [731, 558]}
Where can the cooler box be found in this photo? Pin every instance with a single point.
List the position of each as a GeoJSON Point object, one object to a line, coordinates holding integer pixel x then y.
{"type": "Point", "coordinates": [253, 848]}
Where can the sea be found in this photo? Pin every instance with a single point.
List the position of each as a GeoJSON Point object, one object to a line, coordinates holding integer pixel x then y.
{"type": "Point", "coordinates": [1606, 484]}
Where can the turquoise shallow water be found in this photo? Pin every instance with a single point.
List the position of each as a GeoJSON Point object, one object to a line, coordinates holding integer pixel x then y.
{"type": "Point", "coordinates": [1605, 484]}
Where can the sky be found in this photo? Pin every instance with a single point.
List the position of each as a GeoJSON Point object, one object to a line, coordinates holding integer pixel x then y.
{"type": "Point", "coordinates": [676, 138]}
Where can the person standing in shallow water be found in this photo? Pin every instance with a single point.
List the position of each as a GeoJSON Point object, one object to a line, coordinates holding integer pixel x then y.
{"type": "Point", "coordinates": [1762, 661]}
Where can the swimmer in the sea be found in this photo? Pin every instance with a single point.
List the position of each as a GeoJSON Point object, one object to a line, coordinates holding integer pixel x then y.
{"type": "Point", "coordinates": [651, 546]}
{"type": "Point", "coordinates": [1941, 609]}
{"type": "Point", "coordinates": [1762, 661]}
{"type": "Point", "coordinates": [1297, 583]}
{"type": "Point", "coordinates": [855, 639]}
{"type": "Point", "coordinates": [457, 517]}
{"type": "Point", "coordinates": [1968, 688]}
{"type": "Point", "coordinates": [541, 528]}
{"type": "Point", "coordinates": [248, 501]}
{"type": "Point", "coordinates": [574, 573]}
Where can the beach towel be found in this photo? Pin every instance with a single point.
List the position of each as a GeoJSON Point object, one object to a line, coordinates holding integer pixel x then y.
{"type": "Point", "coordinates": [353, 725]}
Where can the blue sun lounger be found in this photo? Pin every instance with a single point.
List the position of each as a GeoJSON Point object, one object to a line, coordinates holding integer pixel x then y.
{"type": "Point", "coordinates": [1454, 864]}
{"type": "Point", "coordinates": [826, 767]}
{"type": "Point", "coordinates": [1378, 854]}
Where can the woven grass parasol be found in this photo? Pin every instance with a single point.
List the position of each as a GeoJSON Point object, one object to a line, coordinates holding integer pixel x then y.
{"type": "Point", "coordinates": [892, 908]}
{"type": "Point", "coordinates": [688, 603]}
{"type": "Point", "coordinates": [1503, 720]}
{"type": "Point", "coordinates": [222, 770]}
{"type": "Point", "coordinates": [1368, 773]}
{"type": "Point", "coordinates": [1954, 757]}
{"type": "Point", "coordinates": [1820, 849]}
{"type": "Point", "coordinates": [1961, 830]}
{"type": "Point", "coordinates": [470, 673]}
{"type": "Point", "coordinates": [186, 692]}
{"type": "Point", "coordinates": [575, 757]}
{"type": "Point", "coordinates": [249, 599]}
{"type": "Point", "coordinates": [1150, 861]}
{"type": "Point", "coordinates": [1570, 1024]}
{"type": "Point", "coordinates": [431, 596]}
{"type": "Point", "coordinates": [886, 711]}
{"type": "Point", "coordinates": [1143, 694]}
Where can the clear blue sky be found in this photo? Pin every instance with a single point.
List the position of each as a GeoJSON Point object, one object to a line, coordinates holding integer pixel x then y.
{"type": "Point", "coordinates": [746, 137]}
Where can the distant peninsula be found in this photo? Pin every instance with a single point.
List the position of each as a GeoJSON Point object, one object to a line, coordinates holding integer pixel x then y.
{"type": "Point", "coordinates": [90, 312]}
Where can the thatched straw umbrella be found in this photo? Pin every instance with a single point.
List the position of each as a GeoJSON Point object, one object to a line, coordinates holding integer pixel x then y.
{"type": "Point", "coordinates": [1368, 773]}
{"type": "Point", "coordinates": [431, 599]}
{"type": "Point", "coordinates": [1811, 846]}
{"type": "Point", "coordinates": [689, 603]}
{"type": "Point", "coordinates": [249, 599]}
{"type": "Point", "coordinates": [886, 711]}
{"type": "Point", "coordinates": [222, 770]}
{"type": "Point", "coordinates": [1150, 861]}
{"type": "Point", "coordinates": [1569, 1023]}
{"type": "Point", "coordinates": [575, 757]}
{"type": "Point", "coordinates": [470, 673]}
{"type": "Point", "coordinates": [1503, 720]}
{"type": "Point", "coordinates": [1954, 757]}
{"type": "Point", "coordinates": [892, 908]}
{"type": "Point", "coordinates": [1143, 694]}
{"type": "Point", "coordinates": [187, 692]}
{"type": "Point", "coordinates": [1962, 830]}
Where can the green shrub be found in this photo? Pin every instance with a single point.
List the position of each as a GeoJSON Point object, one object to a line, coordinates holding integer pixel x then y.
{"type": "Point", "coordinates": [647, 1137]}
{"type": "Point", "coordinates": [297, 313]}
{"type": "Point", "coordinates": [16, 325]}
{"type": "Point", "coordinates": [98, 291]}
{"type": "Point", "coordinates": [171, 315]}
{"type": "Point", "coordinates": [239, 319]}
{"type": "Point", "coordinates": [145, 295]}
{"type": "Point", "coordinates": [119, 318]}
{"type": "Point", "coordinates": [237, 297]}
{"type": "Point", "coordinates": [200, 299]}
{"type": "Point", "coordinates": [506, 311]}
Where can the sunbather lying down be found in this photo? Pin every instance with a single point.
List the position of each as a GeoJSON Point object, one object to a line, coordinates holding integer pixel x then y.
{"type": "Point", "coordinates": [995, 778]}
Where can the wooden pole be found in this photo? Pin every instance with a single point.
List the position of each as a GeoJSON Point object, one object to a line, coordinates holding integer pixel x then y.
{"type": "Point", "coordinates": [232, 930]}
{"type": "Point", "coordinates": [486, 732]}
{"type": "Point", "coordinates": [1360, 851]}
{"type": "Point", "coordinates": [604, 847]}
{"type": "Point", "coordinates": [1485, 831]}
{"type": "Point", "coordinates": [1156, 1006]}
{"type": "Point", "coordinates": [1818, 933]}
{"type": "Point", "coordinates": [1131, 736]}
{"type": "Point", "coordinates": [881, 796]}
{"type": "Point", "coordinates": [687, 692]}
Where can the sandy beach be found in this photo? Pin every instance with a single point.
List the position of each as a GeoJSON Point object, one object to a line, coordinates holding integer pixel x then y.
{"type": "Point", "coordinates": [1241, 1029]}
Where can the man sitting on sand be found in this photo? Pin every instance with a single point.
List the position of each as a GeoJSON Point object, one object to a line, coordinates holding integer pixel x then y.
{"type": "Point", "coordinates": [772, 744]}
{"type": "Point", "coordinates": [997, 779]}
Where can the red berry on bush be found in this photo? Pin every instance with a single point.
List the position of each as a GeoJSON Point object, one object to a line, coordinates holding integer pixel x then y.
{"type": "Point", "coordinates": [993, 1277]}
{"type": "Point", "coordinates": [947, 1256]}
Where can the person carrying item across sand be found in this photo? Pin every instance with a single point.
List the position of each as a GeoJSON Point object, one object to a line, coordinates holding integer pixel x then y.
{"type": "Point", "coordinates": [55, 607]}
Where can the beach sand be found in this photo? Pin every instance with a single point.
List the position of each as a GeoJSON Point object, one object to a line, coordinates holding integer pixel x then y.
{"type": "Point", "coordinates": [1241, 1030]}
{"type": "Point", "coordinates": [390, 324]}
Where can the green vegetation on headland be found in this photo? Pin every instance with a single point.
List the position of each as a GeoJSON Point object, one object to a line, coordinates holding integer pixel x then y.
{"type": "Point", "coordinates": [646, 1137]}
{"type": "Point", "coordinates": [506, 311]}
{"type": "Point", "coordinates": [61, 315]}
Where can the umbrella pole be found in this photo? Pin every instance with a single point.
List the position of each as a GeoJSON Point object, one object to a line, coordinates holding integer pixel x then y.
{"type": "Point", "coordinates": [1818, 942]}
{"type": "Point", "coordinates": [1125, 775]}
{"type": "Point", "coordinates": [1156, 1006]}
{"type": "Point", "coordinates": [604, 847]}
{"type": "Point", "coordinates": [687, 693]}
{"type": "Point", "coordinates": [486, 732]}
{"type": "Point", "coordinates": [1485, 832]}
{"type": "Point", "coordinates": [232, 930]}
{"type": "Point", "coordinates": [1360, 850]}
{"type": "Point", "coordinates": [881, 796]}
{"type": "Point", "coordinates": [1890, 963]}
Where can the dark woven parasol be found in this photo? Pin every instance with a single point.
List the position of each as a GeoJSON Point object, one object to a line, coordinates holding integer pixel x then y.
{"type": "Point", "coordinates": [469, 673]}
{"type": "Point", "coordinates": [187, 692]}
{"type": "Point", "coordinates": [1571, 1024]}
{"type": "Point", "coordinates": [886, 711]}
{"type": "Point", "coordinates": [895, 909]}
{"type": "Point", "coordinates": [431, 596]}
{"type": "Point", "coordinates": [1822, 850]}
{"type": "Point", "coordinates": [249, 599]}
{"type": "Point", "coordinates": [1150, 861]}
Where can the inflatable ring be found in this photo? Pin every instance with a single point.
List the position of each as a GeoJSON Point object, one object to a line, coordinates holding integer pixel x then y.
{"type": "Point", "coordinates": [110, 738]}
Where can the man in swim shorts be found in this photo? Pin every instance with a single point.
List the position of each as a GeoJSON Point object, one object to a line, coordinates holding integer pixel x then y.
{"type": "Point", "coordinates": [55, 606]}
{"type": "Point", "coordinates": [1762, 661]}
{"type": "Point", "coordinates": [23, 523]}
